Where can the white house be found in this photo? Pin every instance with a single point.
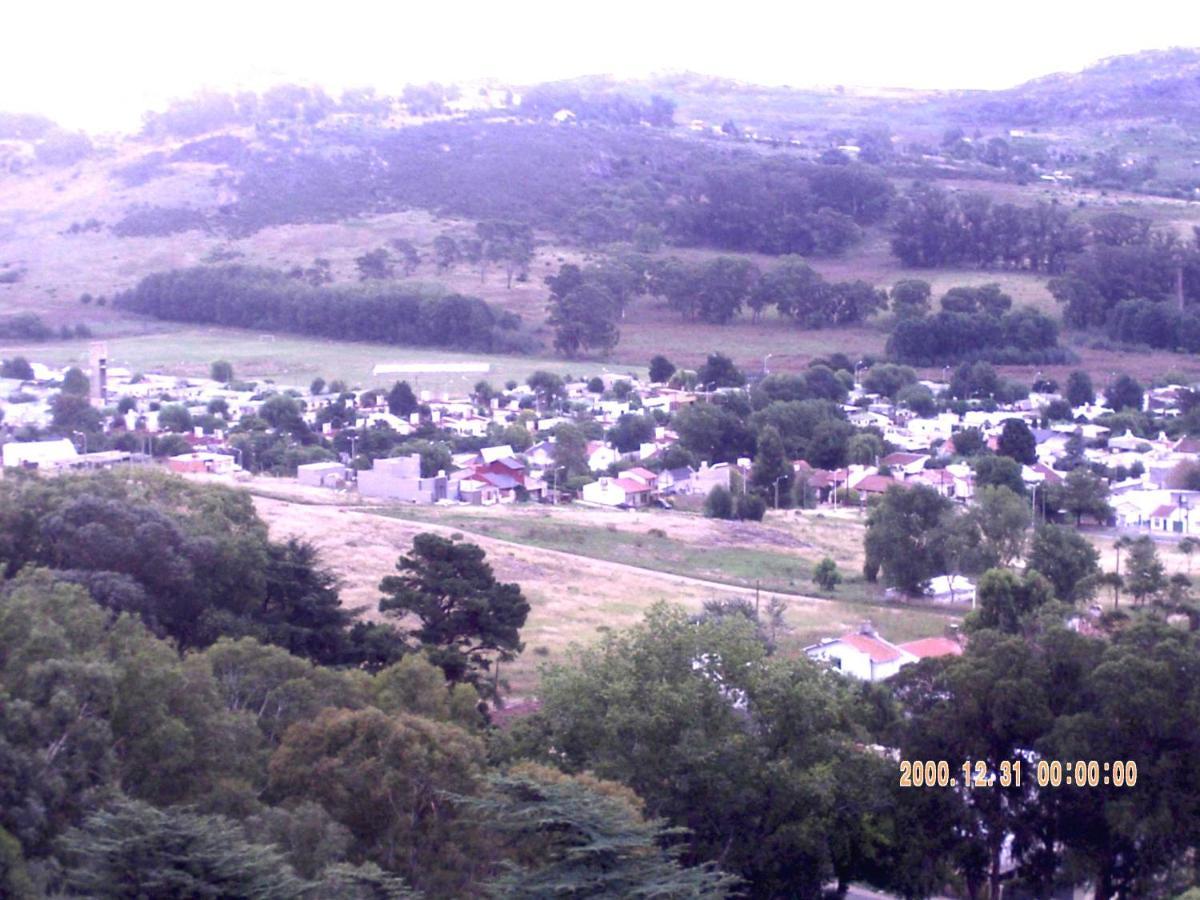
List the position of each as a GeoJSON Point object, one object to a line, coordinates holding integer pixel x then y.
{"type": "Point", "coordinates": [601, 456]}
{"type": "Point", "coordinates": [39, 454]}
{"type": "Point", "coordinates": [862, 654]}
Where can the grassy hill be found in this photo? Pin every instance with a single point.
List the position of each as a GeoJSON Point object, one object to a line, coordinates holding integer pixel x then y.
{"type": "Point", "coordinates": [283, 192]}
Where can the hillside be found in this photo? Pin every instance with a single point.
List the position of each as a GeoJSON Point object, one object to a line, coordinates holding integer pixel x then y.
{"type": "Point", "coordinates": [1155, 84]}
{"type": "Point", "coordinates": [593, 169]}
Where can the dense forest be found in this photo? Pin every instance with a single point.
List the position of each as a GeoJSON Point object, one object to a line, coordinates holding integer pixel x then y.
{"type": "Point", "coordinates": [268, 300]}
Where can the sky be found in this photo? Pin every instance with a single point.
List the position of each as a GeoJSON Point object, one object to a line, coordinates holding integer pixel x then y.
{"type": "Point", "coordinates": [100, 65]}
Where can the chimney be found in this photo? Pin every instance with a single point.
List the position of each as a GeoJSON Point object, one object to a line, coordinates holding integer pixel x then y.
{"type": "Point", "coordinates": [867, 628]}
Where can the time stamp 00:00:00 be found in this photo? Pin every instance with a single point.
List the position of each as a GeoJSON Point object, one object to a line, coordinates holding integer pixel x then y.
{"type": "Point", "coordinates": [1049, 773]}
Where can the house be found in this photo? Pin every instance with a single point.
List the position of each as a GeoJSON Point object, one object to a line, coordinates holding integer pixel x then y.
{"type": "Point", "coordinates": [707, 477]}
{"type": "Point", "coordinates": [210, 463]}
{"type": "Point", "coordinates": [399, 478]}
{"type": "Point", "coordinates": [323, 474]}
{"type": "Point", "coordinates": [541, 454]}
{"type": "Point", "coordinates": [905, 463]}
{"type": "Point", "coordinates": [676, 481]}
{"type": "Point", "coordinates": [862, 654]}
{"type": "Point", "coordinates": [939, 480]}
{"type": "Point", "coordinates": [601, 456]}
{"type": "Point", "coordinates": [616, 492]}
{"type": "Point", "coordinates": [39, 454]}
{"type": "Point", "coordinates": [475, 492]}
{"type": "Point", "coordinates": [951, 589]}
{"type": "Point", "coordinates": [932, 647]}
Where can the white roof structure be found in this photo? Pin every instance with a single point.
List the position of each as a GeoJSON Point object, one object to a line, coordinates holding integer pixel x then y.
{"type": "Point", "coordinates": [491, 454]}
{"type": "Point", "coordinates": [39, 453]}
{"type": "Point", "coordinates": [430, 368]}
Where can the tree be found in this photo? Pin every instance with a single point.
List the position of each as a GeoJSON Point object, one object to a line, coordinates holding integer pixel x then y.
{"type": "Point", "coordinates": [1082, 494]}
{"type": "Point", "coordinates": [998, 471]}
{"type": "Point", "coordinates": [130, 849]}
{"type": "Point", "coordinates": [1006, 601]}
{"type": "Point", "coordinates": [701, 722]}
{"type": "Point", "coordinates": [1145, 575]}
{"type": "Point", "coordinates": [317, 386]}
{"type": "Point", "coordinates": [661, 369]}
{"type": "Point", "coordinates": [1002, 519]}
{"type": "Point", "coordinates": [1017, 441]}
{"type": "Point", "coordinates": [375, 265]}
{"type": "Point", "coordinates": [571, 449]}
{"type": "Point", "coordinates": [631, 431]}
{"type": "Point", "coordinates": [384, 777]}
{"type": "Point", "coordinates": [750, 507]}
{"type": "Point", "coordinates": [723, 285]}
{"type": "Point", "coordinates": [712, 433]}
{"type": "Point", "coordinates": [584, 318]}
{"type": "Point", "coordinates": [71, 412]}
{"type": "Point", "coordinates": [175, 417]}
{"type": "Point", "coordinates": [968, 442]}
{"type": "Point", "coordinates": [1066, 558]}
{"type": "Point", "coordinates": [911, 297]}
{"type": "Point", "coordinates": [401, 400]}
{"type": "Point", "coordinates": [282, 413]}
{"type": "Point", "coordinates": [918, 398]}
{"type": "Point", "coordinates": [467, 618]}
{"type": "Point", "coordinates": [826, 574]}
{"type": "Point", "coordinates": [1079, 389]}
{"type": "Point", "coordinates": [547, 387]}
{"type": "Point", "coordinates": [1124, 393]}
{"type": "Point", "coordinates": [719, 371]}
{"type": "Point", "coordinates": [988, 705]}
{"type": "Point", "coordinates": [903, 538]}
{"type": "Point", "coordinates": [221, 371]}
{"type": "Point", "coordinates": [445, 252]}
{"type": "Point", "coordinates": [1187, 546]}
{"type": "Point", "coordinates": [719, 503]}
{"type": "Point", "coordinates": [1128, 843]}
{"type": "Point", "coordinates": [410, 258]}
{"type": "Point", "coordinates": [580, 836]}
{"type": "Point", "coordinates": [772, 473]}
{"type": "Point", "coordinates": [18, 368]}
{"type": "Point", "coordinates": [75, 382]}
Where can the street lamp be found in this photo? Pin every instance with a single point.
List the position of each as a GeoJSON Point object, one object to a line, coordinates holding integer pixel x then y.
{"type": "Point", "coordinates": [777, 480]}
{"type": "Point", "coordinates": [765, 358]}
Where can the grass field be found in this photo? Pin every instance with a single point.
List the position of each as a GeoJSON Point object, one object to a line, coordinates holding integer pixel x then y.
{"type": "Point", "coordinates": [777, 555]}
{"type": "Point", "coordinates": [295, 360]}
{"type": "Point", "coordinates": [608, 581]}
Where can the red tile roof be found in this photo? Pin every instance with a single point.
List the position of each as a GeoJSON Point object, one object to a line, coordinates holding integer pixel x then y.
{"type": "Point", "coordinates": [1164, 511]}
{"type": "Point", "coordinates": [876, 484]}
{"type": "Point", "coordinates": [927, 648]}
{"type": "Point", "coordinates": [900, 458]}
{"type": "Point", "coordinates": [632, 487]}
{"type": "Point", "coordinates": [879, 651]}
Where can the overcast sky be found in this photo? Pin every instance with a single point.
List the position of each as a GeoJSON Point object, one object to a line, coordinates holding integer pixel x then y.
{"type": "Point", "coordinates": [99, 64]}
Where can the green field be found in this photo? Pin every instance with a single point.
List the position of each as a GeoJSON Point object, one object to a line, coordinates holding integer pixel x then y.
{"type": "Point", "coordinates": [296, 360]}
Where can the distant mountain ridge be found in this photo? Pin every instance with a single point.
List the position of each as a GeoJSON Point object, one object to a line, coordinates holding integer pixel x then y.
{"type": "Point", "coordinates": [1159, 84]}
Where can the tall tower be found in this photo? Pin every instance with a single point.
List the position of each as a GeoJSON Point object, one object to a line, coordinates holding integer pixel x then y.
{"type": "Point", "coordinates": [99, 354]}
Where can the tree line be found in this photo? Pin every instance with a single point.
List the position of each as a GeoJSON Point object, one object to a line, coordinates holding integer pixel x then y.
{"type": "Point", "coordinates": [935, 227]}
{"type": "Point", "coordinates": [268, 300]}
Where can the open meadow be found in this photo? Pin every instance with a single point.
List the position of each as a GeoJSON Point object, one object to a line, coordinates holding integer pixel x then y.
{"type": "Point", "coordinates": [289, 359]}
{"type": "Point", "coordinates": [585, 571]}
